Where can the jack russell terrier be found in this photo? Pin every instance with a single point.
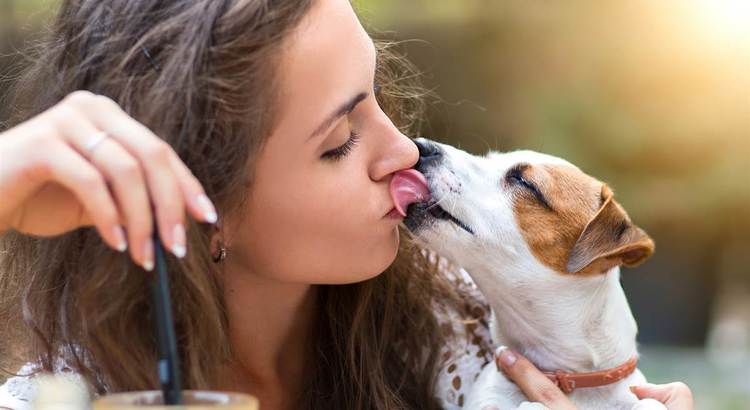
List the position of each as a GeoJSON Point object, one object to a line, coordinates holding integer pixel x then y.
{"type": "Point", "coordinates": [543, 242]}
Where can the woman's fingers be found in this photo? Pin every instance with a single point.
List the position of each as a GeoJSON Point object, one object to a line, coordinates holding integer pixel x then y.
{"type": "Point", "coordinates": [534, 384]}
{"type": "Point", "coordinates": [199, 204]}
{"type": "Point", "coordinates": [127, 157]}
{"type": "Point", "coordinates": [153, 163]}
{"type": "Point", "coordinates": [123, 174]}
{"type": "Point", "coordinates": [68, 168]}
{"type": "Point", "coordinates": [676, 396]}
{"type": "Point", "coordinates": [138, 139]}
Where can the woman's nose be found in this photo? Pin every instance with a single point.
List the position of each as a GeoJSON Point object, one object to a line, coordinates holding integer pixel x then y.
{"type": "Point", "coordinates": [429, 153]}
{"type": "Point", "coordinates": [397, 153]}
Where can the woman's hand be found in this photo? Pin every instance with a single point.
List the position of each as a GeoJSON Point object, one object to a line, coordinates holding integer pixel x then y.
{"type": "Point", "coordinates": [676, 396]}
{"type": "Point", "coordinates": [51, 182]}
{"type": "Point", "coordinates": [534, 384]}
{"type": "Point", "coordinates": [538, 388]}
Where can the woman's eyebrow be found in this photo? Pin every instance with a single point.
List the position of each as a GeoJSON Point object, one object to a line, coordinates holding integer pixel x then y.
{"type": "Point", "coordinates": [345, 108]}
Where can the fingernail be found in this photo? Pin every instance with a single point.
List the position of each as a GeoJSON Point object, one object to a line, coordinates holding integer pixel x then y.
{"type": "Point", "coordinates": [178, 238]}
{"type": "Point", "coordinates": [148, 255]}
{"type": "Point", "coordinates": [122, 244]}
{"type": "Point", "coordinates": [498, 352]}
{"type": "Point", "coordinates": [632, 388]}
{"type": "Point", "coordinates": [209, 212]}
{"type": "Point", "coordinates": [506, 355]}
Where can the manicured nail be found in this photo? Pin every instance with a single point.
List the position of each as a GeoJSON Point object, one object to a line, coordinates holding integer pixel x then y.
{"type": "Point", "coordinates": [122, 244]}
{"type": "Point", "coordinates": [148, 255]}
{"type": "Point", "coordinates": [499, 351]}
{"type": "Point", "coordinates": [178, 240]}
{"type": "Point", "coordinates": [506, 355]}
{"type": "Point", "coordinates": [209, 212]}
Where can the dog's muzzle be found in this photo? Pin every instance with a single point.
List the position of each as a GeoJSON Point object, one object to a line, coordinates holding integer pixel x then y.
{"type": "Point", "coordinates": [430, 156]}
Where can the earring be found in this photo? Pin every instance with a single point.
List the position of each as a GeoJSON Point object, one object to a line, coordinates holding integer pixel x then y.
{"type": "Point", "coordinates": [221, 256]}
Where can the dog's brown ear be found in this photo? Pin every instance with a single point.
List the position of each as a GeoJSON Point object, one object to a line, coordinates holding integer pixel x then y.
{"type": "Point", "coordinates": [608, 240]}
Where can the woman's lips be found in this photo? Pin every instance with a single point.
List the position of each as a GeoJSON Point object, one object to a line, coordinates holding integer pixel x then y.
{"type": "Point", "coordinates": [394, 214]}
{"type": "Point", "coordinates": [408, 186]}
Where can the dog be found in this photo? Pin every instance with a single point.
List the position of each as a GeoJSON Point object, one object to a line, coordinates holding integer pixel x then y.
{"type": "Point", "coordinates": [543, 241]}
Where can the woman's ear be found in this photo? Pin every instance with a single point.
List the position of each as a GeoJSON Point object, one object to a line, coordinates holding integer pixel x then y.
{"type": "Point", "coordinates": [608, 240]}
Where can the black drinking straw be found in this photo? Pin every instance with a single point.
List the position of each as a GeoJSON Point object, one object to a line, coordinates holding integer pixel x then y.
{"type": "Point", "coordinates": [168, 367]}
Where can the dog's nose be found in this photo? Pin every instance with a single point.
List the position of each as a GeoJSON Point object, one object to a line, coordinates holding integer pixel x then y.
{"type": "Point", "coordinates": [428, 153]}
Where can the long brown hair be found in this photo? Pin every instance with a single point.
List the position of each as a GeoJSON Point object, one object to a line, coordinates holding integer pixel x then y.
{"type": "Point", "coordinates": [200, 74]}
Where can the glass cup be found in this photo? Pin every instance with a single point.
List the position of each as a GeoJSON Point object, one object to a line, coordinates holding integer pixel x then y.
{"type": "Point", "coordinates": [192, 399]}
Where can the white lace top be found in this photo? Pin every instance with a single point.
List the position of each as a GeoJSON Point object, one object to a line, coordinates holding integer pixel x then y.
{"type": "Point", "coordinates": [463, 359]}
{"type": "Point", "coordinates": [471, 349]}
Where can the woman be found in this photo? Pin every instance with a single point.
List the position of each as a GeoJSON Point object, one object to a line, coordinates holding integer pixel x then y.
{"type": "Point", "coordinates": [302, 291]}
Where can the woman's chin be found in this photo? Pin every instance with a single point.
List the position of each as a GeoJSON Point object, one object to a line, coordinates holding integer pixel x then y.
{"type": "Point", "coordinates": [379, 261]}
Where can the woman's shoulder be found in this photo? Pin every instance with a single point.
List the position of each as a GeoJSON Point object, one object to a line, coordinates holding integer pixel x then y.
{"type": "Point", "coordinates": [470, 347]}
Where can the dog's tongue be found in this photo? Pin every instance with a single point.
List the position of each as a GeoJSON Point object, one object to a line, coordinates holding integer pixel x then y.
{"type": "Point", "coordinates": [408, 186]}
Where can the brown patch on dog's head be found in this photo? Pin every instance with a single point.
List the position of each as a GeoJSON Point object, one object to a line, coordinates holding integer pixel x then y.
{"type": "Point", "coordinates": [571, 222]}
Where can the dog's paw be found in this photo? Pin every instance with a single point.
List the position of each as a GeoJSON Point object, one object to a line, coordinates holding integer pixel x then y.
{"type": "Point", "coordinates": [528, 405]}
{"type": "Point", "coordinates": [648, 404]}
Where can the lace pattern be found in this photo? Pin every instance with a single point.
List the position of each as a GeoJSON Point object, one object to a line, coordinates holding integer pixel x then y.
{"type": "Point", "coordinates": [470, 350]}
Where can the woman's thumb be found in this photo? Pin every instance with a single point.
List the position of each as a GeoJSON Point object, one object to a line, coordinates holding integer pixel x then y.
{"type": "Point", "coordinates": [676, 396]}
{"type": "Point", "coordinates": [650, 391]}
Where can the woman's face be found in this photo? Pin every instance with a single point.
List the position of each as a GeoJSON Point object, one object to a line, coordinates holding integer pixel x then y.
{"type": "Point", "coordinates": [320, 198]}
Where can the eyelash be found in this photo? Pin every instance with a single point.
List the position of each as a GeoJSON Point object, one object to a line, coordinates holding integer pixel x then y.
{"type": "Point", "coordinates": [515, 177]}
{"type": "Point", "coordinates": [342, 151]}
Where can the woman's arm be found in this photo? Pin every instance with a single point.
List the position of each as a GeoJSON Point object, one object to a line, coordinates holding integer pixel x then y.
{"type": "Point", "coordinates": [538, 388]}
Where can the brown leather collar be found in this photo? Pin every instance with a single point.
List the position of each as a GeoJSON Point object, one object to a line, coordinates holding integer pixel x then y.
{"type": "Point", "coordinates": [568, 382]}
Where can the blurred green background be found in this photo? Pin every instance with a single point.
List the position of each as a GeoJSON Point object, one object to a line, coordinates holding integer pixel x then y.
{"type": "Point", "coordinates": [650, 97]}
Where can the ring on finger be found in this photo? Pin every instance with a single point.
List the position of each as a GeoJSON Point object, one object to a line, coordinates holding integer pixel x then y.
{"type": "Point", "coordinates": [94, 140]}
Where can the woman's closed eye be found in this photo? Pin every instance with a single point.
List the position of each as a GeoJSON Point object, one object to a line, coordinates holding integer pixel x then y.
{"type": "Point", "coordinates": [343, 150]}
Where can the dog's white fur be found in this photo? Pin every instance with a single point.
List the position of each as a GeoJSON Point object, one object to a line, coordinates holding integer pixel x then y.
{"type": "Point", "coordinates": [574, 323]}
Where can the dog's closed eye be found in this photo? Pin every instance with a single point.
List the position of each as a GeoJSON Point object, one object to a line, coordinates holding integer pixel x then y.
{"type": "Point", "coordinates": [515, 177]}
